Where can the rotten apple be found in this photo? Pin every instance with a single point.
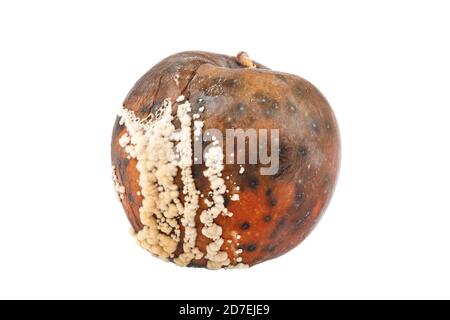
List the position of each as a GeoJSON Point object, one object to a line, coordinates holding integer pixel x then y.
{"type": "Point", "coordinates": [205, 208]}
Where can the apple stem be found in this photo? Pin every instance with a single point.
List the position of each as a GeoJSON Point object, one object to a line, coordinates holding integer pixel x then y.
{"type": "Point", "coordinates": [244, 60]}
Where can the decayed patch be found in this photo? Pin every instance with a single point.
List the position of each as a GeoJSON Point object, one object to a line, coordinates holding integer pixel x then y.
{"type": "Point", "coordinates": [162, 151]}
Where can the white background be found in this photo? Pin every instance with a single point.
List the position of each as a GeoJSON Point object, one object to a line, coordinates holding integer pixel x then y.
{"type": "Point", "coordinates": [65, 68]}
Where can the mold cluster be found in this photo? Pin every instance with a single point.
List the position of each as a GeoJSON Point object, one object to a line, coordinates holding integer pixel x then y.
{"type": "Point", "coordinates": [168, 212]}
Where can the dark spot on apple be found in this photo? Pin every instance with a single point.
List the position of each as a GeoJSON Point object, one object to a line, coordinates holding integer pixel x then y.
{"type": "Point", "coordinates": [263, 99]}
{"type": "Point", "coordinates": [303, 151]}
{"type": "Point", "coordinates": [196, 171]}
{"type": "Point", "coordinates": [132, 199]}
{"type": "Point", "coordinates": [280, 226]}
{"type": "Point", "coordinates": [251, 247]}
{"type": "Point", "coordinates": [302, 220]}
{"type": "Point", "coordinates": [245, 226]}
{"type": "Point", "coordinates": [298, 199]}
{"type": "Point", "coordinates": [273, 202]}
{"type": "Point", "coordinates": [292, 107]}
{"type": "Point", "coordinates": [252, 181]}
{"type": "Point", "coordinates": [270, 248]}
{"type": "Point", "coordinates": [267, 218]}
{"type": "Point", "coordinates": [226, 200]}
{"type": "Point", "coordinates": [266, 104]}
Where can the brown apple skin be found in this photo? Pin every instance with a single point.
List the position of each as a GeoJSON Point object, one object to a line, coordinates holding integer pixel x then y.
{"type": "Point", "coordinates": [274, 213]}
